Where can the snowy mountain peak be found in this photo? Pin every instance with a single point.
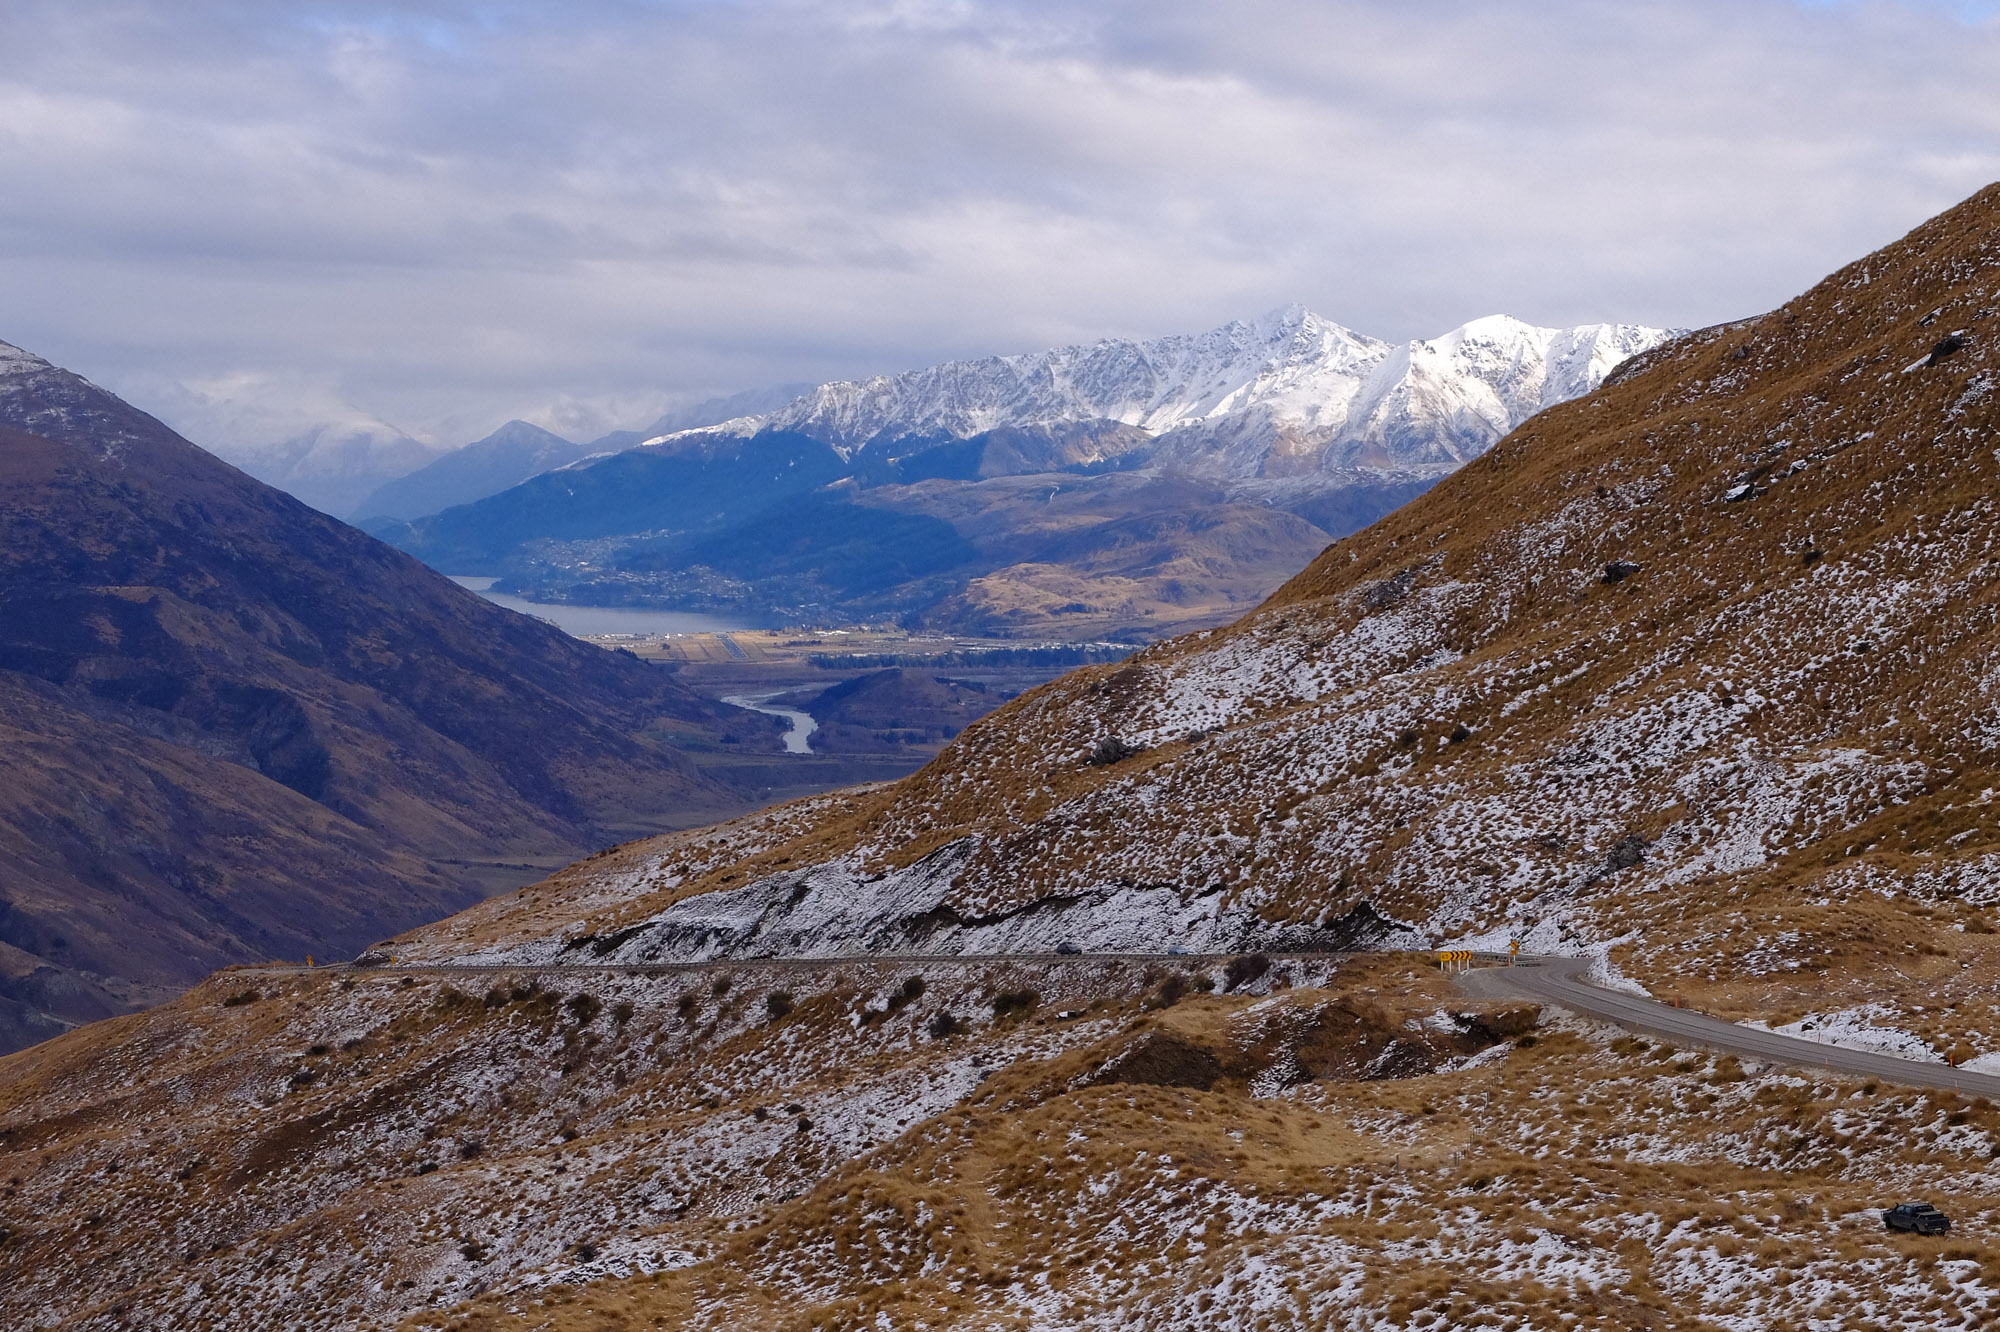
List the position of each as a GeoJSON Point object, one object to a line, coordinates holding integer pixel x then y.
{"type": "Point", "coordinates": [1285, 393]}
{"type": "Point", "coordinates": [44, 399]}
{"type": "Point", "coordinates": [14, 361]}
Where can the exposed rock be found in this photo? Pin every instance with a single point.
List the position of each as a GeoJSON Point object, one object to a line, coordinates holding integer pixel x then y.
{"type": "Point", "coordinates": [1498, 1022]}
{"type": "Point", "coordinates": [1389, 591]}
{"type": "Point", "coordinates": [1947, 345]}
{"type": "Point", "coordinates": [1110, 750]}
{"type": "Point", "coordinates": [1629, 851]}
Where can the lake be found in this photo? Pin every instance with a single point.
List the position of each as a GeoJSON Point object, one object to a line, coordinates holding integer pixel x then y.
{"type": "Point", "coordinates": [584, 621]}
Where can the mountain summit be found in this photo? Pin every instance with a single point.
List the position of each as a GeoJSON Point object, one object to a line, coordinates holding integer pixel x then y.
{"type": "Point", "coordinates": [1116, 490]}
{"type": "Point", "coordinates": [507, 457]}
{"type": "Point", "coordinates": [1282, 395]}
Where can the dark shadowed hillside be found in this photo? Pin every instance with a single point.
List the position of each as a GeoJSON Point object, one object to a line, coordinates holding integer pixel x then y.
{"type": "Point", "coordinates": [898, 709]}
{"type": "Point", "coordinates": [236, 728]}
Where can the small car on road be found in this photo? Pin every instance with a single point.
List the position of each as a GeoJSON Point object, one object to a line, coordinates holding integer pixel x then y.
{"type": "Point", "coordinates": [1068, 949]}
{"type": "Point", "coordinates": [1918, 1218]}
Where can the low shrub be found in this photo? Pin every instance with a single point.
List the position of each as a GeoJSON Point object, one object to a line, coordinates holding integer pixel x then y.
{"type": "Point", "coordinates": [913, 990]}
{"type": "Point", "coordinates": [451, 999]}
{"type": "Point", "coordinates": [1015, 1003]}
{"type": "Point", "coordinates": [1244, 969]}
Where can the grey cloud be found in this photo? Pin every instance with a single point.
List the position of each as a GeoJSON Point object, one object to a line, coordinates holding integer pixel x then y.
{"type": "Point", "coordinates": [445, 214]}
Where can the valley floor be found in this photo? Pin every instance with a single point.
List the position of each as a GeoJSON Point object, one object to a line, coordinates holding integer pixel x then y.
{"type": "Point", "coordinates": [922, 690]}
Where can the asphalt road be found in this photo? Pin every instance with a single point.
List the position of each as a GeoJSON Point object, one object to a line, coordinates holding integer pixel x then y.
{"type": "Point", "coordinates": [844, 960]}
{"type": "Point", "coordinates": [1559, 980]}
{"type": "Point", "coordinates": [1547, 980]}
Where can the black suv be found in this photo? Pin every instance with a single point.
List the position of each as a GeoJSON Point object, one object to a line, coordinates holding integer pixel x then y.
{"type": "Point", "coordinates": [1922, 1218]}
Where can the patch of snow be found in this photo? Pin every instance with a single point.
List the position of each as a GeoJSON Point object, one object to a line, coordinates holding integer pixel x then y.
{"type": "Point", "coordinates": [1857, 1029]}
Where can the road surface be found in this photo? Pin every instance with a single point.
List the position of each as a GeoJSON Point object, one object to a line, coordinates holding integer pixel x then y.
{"type": "Point", "coordinates": [885, 960]}
{"type": "Point", "coordinates": [1547, 980]}
{"type": "Point", "coordinates": [1559, 980]}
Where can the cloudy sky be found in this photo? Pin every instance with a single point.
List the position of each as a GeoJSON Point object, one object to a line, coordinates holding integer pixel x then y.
{"type": "Point", "coordinates": [241, 212]}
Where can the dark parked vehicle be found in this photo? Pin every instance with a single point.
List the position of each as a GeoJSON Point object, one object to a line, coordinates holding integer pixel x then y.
{"type": "Point", "coordinates": [1920, 1218]}
{"type": "Point", "coordinates": [1068, 949]}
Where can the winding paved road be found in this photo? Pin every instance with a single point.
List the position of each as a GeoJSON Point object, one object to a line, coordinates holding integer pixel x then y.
{"type": "Point", "coordinates": [1559, 980]}
{"type": "Point", "coordinates": [1548, 980]}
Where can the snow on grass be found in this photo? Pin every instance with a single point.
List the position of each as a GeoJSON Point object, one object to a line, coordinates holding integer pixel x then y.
{"type": "Point", "coordinates": [1857, 1029]}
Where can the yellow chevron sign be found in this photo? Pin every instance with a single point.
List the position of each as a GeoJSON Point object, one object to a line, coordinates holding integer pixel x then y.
{"type": "Point", "coordinates": [1449, 957]}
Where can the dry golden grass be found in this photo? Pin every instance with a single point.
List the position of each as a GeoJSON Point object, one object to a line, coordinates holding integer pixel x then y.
{"type": "Point", "coordinates": [1573, 1177]}
{"type": "Point", "coordinates": [1577, 1182]}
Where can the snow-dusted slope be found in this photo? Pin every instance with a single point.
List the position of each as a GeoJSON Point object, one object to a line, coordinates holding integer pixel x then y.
{"type": "Point", "coordinates": [1284, 394]}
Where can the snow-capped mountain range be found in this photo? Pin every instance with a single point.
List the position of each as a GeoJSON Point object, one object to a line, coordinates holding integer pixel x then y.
{"type": "Point", "coordinates": [1285, 394]}
{"type": "Point", "coordinates": [1197, 472]}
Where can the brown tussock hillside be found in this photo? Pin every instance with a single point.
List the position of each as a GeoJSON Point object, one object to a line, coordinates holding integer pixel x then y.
{"type": "Point", "coordinates": [1678, 664]}
{"type": "Point", "coordinates": [1698, 674]}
